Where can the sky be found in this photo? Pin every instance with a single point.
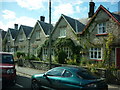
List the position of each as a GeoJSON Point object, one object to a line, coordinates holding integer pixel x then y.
{"type": "Point", "coordinates": [27, 12]}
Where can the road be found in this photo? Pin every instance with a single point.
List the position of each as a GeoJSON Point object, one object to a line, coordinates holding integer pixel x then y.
{"type": "Point", "coordinates": [24, 82]}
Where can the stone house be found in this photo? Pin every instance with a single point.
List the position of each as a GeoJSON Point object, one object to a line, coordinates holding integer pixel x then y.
{"type": "Point", "coordinates": [64, 35]}
{"type": "Point", "coordinates": [100, 34]}
{"type": "Point", "coordinates": [22, 40]}
{"type": "Point", "coordinates": [38, 36]}
{"type": "Point", "coordinates": [9, 39]}
{"type": "Point", "coordinates": [2, 35]}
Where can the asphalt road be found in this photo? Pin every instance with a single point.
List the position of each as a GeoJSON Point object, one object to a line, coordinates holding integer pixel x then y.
{"type": "Point", "coordinates": [24, 83]}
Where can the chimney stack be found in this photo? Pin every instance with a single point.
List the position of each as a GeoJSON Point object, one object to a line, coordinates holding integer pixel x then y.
{"type": "Point", "coordinates": [91, 9]}
{"type": "Point", "coordinates": [42, 18]}
{"type": "Point", "coordinates": [16, 26]}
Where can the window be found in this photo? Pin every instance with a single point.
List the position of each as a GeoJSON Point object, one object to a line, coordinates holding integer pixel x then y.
{"type": "Point", "coordinates": [55, 72]}
{"type": "Point", "coordinates": [37, 35]}
{"type": "Point", "coordinates": [101, 28]}
{"type": "Point", "coordinates": [86, 75]}
{"type": "Point", "coordinates": [67, 51]}
{"type": "Point", "coordinates": [45, 51]}
{"type": "Point", "coordinates": [21, 37]}
{"type": "Point", "coordinates": [63, 32]}
{"type": "Point", "coordinates": [7, 58]}
{"type": "Point", "coordinates": [95, 53]}
{"type": "Point", "coordinates": [67, 74]}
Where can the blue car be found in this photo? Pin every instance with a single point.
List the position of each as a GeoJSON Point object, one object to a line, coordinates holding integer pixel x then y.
{"type": "Point", "coordinates": [68, 78]}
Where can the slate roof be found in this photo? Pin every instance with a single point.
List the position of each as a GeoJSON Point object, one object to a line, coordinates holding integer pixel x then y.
{"type": "Point", "coordinates": [117, 16]}
{"type": "Point", "coordinates": [45, 26]}
{"type": "Point", "coordinates": [27, 29]}
{"type": "Point", "coordinates": [75, 24]}
{"type": "Point", "coordinates": [3, 33]}
{"type": "Point", "coordinates": [13, 32]}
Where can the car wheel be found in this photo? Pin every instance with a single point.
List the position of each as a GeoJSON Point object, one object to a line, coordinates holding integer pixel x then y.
{"type": "Point", "coordinates": [35, 85]}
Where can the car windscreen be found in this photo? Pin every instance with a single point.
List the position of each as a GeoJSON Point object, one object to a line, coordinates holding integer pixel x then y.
{"type": "Point", "coordinates": [7, 58]}
{"type": "Point", "coordinates": [86, 75]}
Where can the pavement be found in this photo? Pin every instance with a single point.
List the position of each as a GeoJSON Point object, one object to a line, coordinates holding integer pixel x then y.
{"type": "Point", "coordinates": [30, 71]}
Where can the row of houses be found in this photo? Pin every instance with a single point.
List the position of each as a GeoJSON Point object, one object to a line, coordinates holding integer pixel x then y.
{"type": "Point", "coordinates": [94, 38]}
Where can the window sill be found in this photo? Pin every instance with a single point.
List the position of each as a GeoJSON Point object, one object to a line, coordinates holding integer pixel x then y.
{"type": "Point", "coordinates": [103, 34]}
{"type": "Point", "coordinates": [96, 59]}
{"type": "Point", "coordinates": [37, 39]}
{"type": "Point", "coordinates": [62, 37]}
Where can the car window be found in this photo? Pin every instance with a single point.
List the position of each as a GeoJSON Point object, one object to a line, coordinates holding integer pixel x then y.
{"type": "Point", "coordinates": [7, 58]}
{"type": "Point", "coordinates": [67, 74]}
{"type": "Point", "coordinates": [86, 74]}
{"type": "Point", "coordinates": [55, 72]}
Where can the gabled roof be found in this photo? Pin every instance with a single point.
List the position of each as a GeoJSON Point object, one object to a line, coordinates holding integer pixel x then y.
{"type": "Point", "coordinates": [115, 17]}
{"type": "Point", "coordinates": [3, 33]}
{"type": "Point", "coordinates": [75, 24]}
{"type": "Point", "coordinates": [45, 26]}
{"type": "Point", "coordinates": [13, 33]}
{"type": "Point", "coordinates": [27, 29]}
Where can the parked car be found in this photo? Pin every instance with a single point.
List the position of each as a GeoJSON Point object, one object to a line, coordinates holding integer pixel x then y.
{"type": "Point", "coordinates": [68, 78]}
{"type": "Point", "coordinates": [7, 68]}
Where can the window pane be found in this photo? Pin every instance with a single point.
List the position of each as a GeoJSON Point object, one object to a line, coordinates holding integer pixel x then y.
{"type": "Point", "coordinates": [99, 54]}
{"type": "Point", "coordinates": [55, 72]}
{"type": "Point", "coordinates": [67, 74]}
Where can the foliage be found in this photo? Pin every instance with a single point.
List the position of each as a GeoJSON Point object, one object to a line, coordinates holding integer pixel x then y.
{"type": "Point", "coordinates": [20, 54]}
{"type": "Point", "coordinates": [67, 42]}
{"type": "Point", "coordinates": [108, 49]}
{"type": "Point", "coordinates": [71, 62]}
{"type": "Point", "coordinates": [61, 57]}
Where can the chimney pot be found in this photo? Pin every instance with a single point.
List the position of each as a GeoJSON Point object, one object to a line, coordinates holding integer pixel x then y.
{"type": "Point", "coordinates": [42, 18]}
{"type": "Point", "coordinates": [16, 26]}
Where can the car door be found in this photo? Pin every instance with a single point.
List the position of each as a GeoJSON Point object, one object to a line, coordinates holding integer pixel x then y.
{"type": "Point", "coordinates": [54, 77]}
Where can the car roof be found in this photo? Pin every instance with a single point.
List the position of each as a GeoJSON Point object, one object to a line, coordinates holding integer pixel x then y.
{"type": "Point", "coordinates": [5, 53]}
{"type": "Point", "coordinates": [75, 69]}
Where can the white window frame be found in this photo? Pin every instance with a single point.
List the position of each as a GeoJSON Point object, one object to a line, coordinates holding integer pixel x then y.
{"type": "Point", "coordinates": [94, 53]}
{"type": "Point", "coordinates": [68, 51]}
{"type": "Point", "coordinates": [63, 32]}
{"type": "Point", "coordinates": [101, 28]}
{"type": "Point", "coordinates": [45, 53]}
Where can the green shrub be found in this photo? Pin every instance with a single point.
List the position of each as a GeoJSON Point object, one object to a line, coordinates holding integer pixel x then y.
{"type": "Point", "coordinates": [20, 54]}
{"type": "Point", "coordinates": [61, 57]}
{"type": "Point", "coordinates": [71, 62]}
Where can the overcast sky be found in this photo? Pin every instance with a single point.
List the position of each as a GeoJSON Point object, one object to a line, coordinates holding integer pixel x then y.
{"type": "Point", "coordinates": [27, 12]}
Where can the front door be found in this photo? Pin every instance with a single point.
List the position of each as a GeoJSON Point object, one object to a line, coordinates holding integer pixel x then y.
{"type": "Point", "coordinates": [118, 58]}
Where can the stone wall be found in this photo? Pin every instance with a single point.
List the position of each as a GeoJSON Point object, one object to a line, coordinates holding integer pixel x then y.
{"type": "Point", "coordinates": [112, 76]}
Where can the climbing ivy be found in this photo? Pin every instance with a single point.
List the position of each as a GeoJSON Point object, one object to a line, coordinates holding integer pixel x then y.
{"type": "Point", "coordinates": [108, 49]}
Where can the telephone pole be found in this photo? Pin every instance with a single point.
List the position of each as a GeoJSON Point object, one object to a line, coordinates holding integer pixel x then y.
{"type": "Point", "coordinates": [50, 61]}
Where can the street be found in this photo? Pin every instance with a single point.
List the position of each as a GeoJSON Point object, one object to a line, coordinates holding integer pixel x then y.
{"type": "Point", "coordinates": [24, 82]}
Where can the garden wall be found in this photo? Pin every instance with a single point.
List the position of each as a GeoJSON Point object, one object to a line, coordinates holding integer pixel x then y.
{"type": "Point", "coordinates": [112, 76]}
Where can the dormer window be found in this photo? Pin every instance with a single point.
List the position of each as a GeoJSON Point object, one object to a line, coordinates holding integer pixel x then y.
{"type": "Point", "coordinates": [62, 32]}
{"type": "Point", "coordinates": [101, 28]}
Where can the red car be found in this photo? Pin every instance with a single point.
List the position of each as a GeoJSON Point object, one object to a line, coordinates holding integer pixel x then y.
{"type": "Point", "coordinates": [7, 68]}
